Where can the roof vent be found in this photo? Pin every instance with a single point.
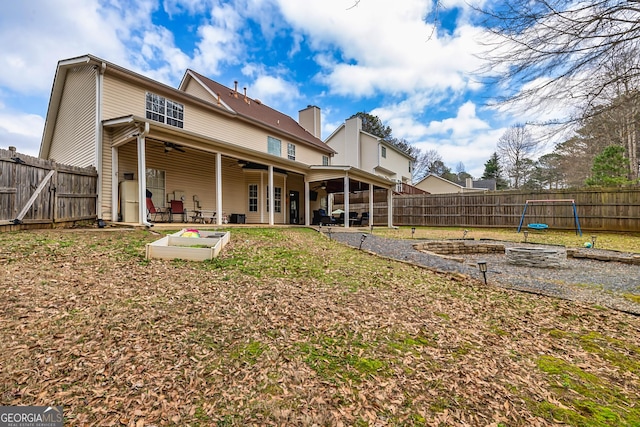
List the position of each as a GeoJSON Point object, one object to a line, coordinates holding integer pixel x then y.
{"type": "Point", "coordinates": [257, 101]}
{"type": "Point", "coordinates": [245, 96]}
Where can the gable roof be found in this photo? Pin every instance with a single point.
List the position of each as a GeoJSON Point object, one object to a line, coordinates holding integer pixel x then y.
{"type": "Point", "coordinates": [431, 176]}
{"type": "Point", "coordinates": [380, 140]}
{"type": "Point", "coordinates": [254, 110]}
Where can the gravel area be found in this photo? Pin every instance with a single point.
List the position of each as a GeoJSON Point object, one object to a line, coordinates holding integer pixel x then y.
{"type": "Point", "coordinates": [603, 283]}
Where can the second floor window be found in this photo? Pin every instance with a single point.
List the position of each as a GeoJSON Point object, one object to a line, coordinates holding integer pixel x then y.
{"type": "Point", "coordinates": [291, 151]}
{"type": "Point", "coordinates": [383, 152]}
{"type": "Point", "coordinates": [164, 110]}
{"type": "Point", "coordinates": [273, 146]}
{"type": "Point", "coordinates": [325, 160]}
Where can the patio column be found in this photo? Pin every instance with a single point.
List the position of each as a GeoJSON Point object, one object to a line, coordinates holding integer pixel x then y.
{"type": "Point", "coordinates": [390, 207]}
{"type": "Point", "coordinates": [114, 184]}
{"type": "Point", "coordinates": [307, 204]}
{"type": "Point", "coordinates": [218, 188]}
{"type": "Point", "coordinates": [142, 177]}
{"type": "Point", "coordinates": [271, 196]}
{"type": "Point", "coordinates": [346, 201]}
{"type": "Point", "coordinates": [370, 205]}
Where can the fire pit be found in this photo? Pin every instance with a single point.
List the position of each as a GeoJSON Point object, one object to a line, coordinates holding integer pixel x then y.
{"type": "Point", "coordinates": [537, 257]}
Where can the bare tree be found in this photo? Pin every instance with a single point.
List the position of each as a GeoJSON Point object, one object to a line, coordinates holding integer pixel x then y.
{"type": "Point", "coordinates": [424, 163]}
{"type": "Point", "coordinates": [516, 147]}
{"type": "Point", "coordinates": [560, 51]}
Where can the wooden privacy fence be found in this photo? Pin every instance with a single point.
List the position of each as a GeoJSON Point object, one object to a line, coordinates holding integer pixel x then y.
{"type": "Point", "coordinates": [598, 209]}
{"type": "Point", "coordinates": [36, 192]}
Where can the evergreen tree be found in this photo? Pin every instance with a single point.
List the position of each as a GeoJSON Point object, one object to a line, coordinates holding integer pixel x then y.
{"type": "Point", "coordinates": [493, 170]}
{"type": "Point", "coordinates": [373, 125]}
{"type": "Point", "coordinates": [610, 168]}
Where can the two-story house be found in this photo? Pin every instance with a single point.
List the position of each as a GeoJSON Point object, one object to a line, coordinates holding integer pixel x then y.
{"type": "Point", "coordinates": [212, 147]}
{"type": "Point", "coordinates": [355, 147]}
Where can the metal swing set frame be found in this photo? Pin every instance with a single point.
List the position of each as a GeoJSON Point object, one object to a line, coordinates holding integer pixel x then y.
{"type": "Point", "coordinates": [551, 201]}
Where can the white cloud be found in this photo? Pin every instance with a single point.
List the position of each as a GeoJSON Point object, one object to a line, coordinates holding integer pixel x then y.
{"type": "Point", "coordinates": [383, 47]}
{"type": "Point", "coordinates": [23, 131]}
{"type": "Point", "coordinates": [464, 138]}
{"type": "Point", "coordinates": [40, 35]}
{"type": "Point", "coordinates": [275, 92]}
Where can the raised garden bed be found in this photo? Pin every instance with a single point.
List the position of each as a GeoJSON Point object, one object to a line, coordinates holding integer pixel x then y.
{"type": "Point", "coordinates": [176, 246]}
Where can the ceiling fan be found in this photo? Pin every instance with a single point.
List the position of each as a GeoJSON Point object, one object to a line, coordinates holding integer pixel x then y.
{"type": "Point", "coordinates": [322, 186]}
{"type": "Point", "coordinates": [170, 146]}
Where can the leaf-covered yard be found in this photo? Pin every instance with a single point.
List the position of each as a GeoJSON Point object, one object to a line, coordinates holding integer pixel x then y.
{"type": "Point", "coordinates": [289, 328]}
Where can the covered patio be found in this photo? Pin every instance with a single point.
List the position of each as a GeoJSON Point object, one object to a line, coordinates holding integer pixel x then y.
{"type": "Point", "coordinates": [217, 182]}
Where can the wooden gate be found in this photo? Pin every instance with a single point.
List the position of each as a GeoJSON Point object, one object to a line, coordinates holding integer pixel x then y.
{"type": "Point", "coordinates": [37, 193]}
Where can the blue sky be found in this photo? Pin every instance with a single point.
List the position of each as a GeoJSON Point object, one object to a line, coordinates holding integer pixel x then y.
{"type": "Point", "coordinates": [377, 56]}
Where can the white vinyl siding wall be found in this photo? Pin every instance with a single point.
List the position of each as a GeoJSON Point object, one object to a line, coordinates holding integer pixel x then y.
{"type": "Point", "coordinates": [73, 140]}
{"type": "Point", "coordinates": [368, 152]}
{"type": "Point", "coordinates": [398, 163]}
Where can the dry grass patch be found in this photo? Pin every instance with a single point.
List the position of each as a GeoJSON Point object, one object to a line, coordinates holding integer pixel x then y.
{"type": "Point", "coordinates": [289, 328]}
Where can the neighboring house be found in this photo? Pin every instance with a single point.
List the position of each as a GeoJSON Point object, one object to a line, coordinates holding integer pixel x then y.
{"type": "Point", "coordinates": [479, 184]}
{"type": "Point", "coordinates": [207, 145]}
{"type": "Point", "coordinates": [437, 185]}
{"type": "Point", "coordinates": [355, 147]}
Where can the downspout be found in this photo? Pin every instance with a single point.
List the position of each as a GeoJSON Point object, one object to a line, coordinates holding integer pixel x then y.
{"type": "Point", "coordinates": [98, 139]}
{"type": "Point", "coordinates": [142, 176]}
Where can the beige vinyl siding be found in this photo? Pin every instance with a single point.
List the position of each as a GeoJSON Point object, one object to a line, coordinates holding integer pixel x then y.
{"type": "Point", "coordinates": [194, 173]}
{"type": "Point", "coordinates": [111, 136]}
{"type": "Point", "coordinates": [73, 141]}
{"type": "Point", "coordinates": [196, 89]}
{"type": "Point", "coordinates": [435, 185]}
{"type": "Point", "coordinates": [185, 172]}
{"type": "Point", "coordinates": [261, 178]}
{"type": "Point", "coordinates": [107, 177]}
{"type": "Point", "coordinates": [123, 98]}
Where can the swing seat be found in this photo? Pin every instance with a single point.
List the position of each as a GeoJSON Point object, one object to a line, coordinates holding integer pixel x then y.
{"type": "Point", "coordinates": [538, 226]}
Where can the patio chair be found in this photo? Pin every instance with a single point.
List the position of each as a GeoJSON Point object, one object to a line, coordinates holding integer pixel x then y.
{"type": "Point", "coordinates": [364, 218]}
{"type": "Point", "coordinates": [353, 218]}
{"type": "Point", "coordinates": [153, 212]}
{"type": "Point", "coordinates": [325, 219]}
{"type": "Point", "coordinates": [177, 208]}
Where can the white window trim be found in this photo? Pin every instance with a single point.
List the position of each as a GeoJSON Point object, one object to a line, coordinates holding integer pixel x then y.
{"type": "Point", "coordinates": [168, 111]}
{"type": "Point", "coordinates": [291, 151]}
